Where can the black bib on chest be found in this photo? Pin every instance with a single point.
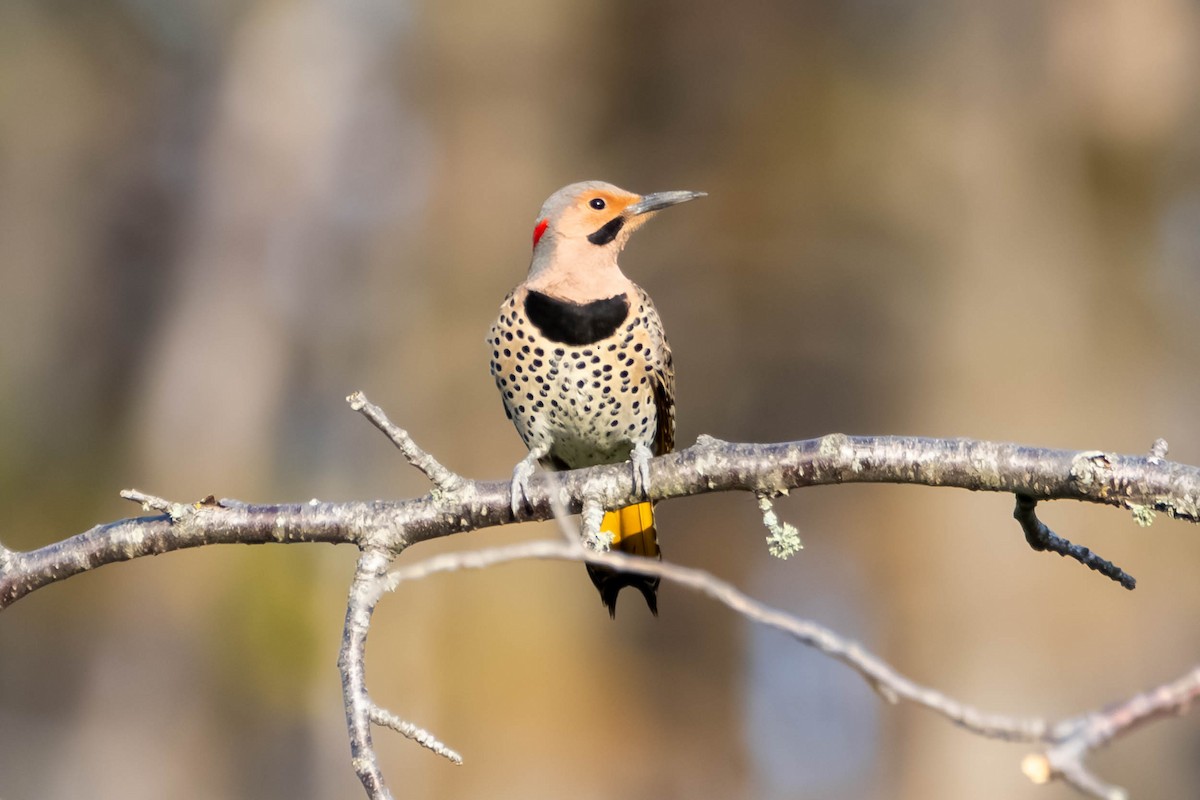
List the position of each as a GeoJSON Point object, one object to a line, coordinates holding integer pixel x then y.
{"type": "Point", "coordinates": [576, 323]}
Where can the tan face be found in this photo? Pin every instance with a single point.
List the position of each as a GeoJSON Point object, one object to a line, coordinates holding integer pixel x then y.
{"type": "Point", "coordinates": [579, 232]}
{"type": "Point", "coordinates": [590, 210]}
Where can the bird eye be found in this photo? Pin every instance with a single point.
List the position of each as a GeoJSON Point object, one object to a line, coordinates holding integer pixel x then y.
{"type": "Point", "coordinates": [597, 203]}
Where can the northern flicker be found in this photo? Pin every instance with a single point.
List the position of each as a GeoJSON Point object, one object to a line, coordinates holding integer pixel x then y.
{"type": "Point", "coordinates": [580, 358]}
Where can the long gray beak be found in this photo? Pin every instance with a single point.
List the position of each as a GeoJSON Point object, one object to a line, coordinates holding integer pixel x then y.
{"type": "Point", "coordinates": [660, 200]}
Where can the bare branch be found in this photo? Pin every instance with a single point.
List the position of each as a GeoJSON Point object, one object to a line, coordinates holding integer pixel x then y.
{"type": "Point", "coordinates": [365, 591]}
{"type": "Point", "coordinates": [364, 594]}
{"type": "Point", "coordinates": [382, 529]}
{"type": "Point", "coordinates": [226, 523]}
{"type": "Point", "coordinates": [877, 673]}
{"type": "Point", "coordinates": [386, 719]}
{"type": "Point", "coordinates": [1042, 538]}
{"type": "Point", "coordinates": [1137, 483]}
{"type": "Point", "coordinates": [150, 502]}
{"type": "Point", "coordinates": [1075, 738]}
{"type": "Point", "coordinates": [1071, 739]}
{"type": "Point", "coordinates": [441, 477]}
{"type": "Point", "coordinates": [366, 588]}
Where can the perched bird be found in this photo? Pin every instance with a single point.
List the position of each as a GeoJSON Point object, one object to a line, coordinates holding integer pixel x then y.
{"type": "Point", "coordinates": [582, 365]}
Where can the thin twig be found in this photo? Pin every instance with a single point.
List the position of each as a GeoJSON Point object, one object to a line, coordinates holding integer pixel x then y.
{"type": "Point", "coordinates": [1075, 738]}
{"type": "Point", "coordinates": [384, 718]}
{"type": "Point", "coordinates": [877, 673]}
{"type": "Point", "coordinates": [570, 533]}
{"type": "Point", "coordinates": [1041, 537]}
{"type": "Point", "coordinates": [440, 476]}
{"type": "Point", "coordinates": [150, 502]}
{"type": "Point", "coordinates": [1071, 739]}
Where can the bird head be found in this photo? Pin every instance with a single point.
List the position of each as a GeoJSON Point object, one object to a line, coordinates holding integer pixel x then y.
{"type": "Point", "coordinates": [600, 213]}
{"type": "Point", "coordinates": [589, 223]}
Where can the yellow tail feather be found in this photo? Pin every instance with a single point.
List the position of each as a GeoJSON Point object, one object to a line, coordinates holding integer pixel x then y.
{"type": "Point", "coordinates": [632, 531]}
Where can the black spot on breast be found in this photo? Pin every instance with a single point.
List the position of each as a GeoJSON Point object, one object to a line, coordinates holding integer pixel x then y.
{"type": "Point", "coordinates": [576, 323]}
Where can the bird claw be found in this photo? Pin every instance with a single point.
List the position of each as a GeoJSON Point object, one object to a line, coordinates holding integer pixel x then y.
{"type": "Point", "coordinates": [640, 458]}
{"type": "Point", "coordinates": [520, 480]}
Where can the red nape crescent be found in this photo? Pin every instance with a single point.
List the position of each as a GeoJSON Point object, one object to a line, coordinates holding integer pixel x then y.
{"type": "Point", "coordinates": [539, 230]}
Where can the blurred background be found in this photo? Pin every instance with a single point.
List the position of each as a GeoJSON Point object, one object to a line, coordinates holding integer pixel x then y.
{"type": "Point", "coordinates": [940, 218]}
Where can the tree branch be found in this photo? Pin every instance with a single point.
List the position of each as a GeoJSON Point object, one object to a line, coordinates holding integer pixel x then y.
{"type": "Point", "coordinates": [382, 529]}
{"type": "Point", "coordinates": [366, 588]}
{"type": "Point", "coordinates": [1141, 484]}
{"type": "Point", "coordinates": [1076, 737]}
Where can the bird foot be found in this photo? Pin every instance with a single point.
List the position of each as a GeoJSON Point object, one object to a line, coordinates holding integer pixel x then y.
{"type": "Point", "coordinates": [640, 458]}
{"type": "Point", "coordinates": [520, 479]}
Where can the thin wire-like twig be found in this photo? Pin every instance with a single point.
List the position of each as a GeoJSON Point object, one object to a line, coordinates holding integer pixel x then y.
{"type": "Point", "coordinates": [570, 533]}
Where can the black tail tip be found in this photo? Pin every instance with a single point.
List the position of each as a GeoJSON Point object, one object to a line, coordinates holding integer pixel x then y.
{"type": "Point", "coordinates": [610, 582]}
